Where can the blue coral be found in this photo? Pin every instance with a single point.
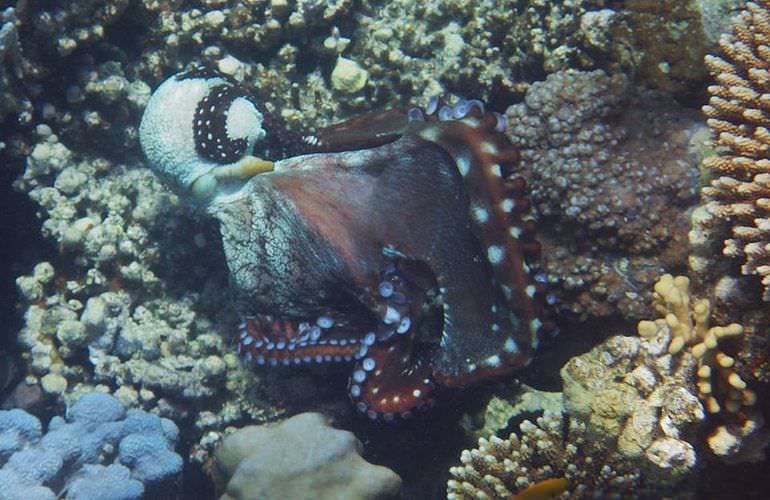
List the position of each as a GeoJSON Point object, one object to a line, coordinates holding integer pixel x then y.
{"type": "Point", "coordinates": [99, 450]}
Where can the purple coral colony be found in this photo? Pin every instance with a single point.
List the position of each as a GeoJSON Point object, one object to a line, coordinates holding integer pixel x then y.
{"type": "Point", "coordinates": [448, 249]}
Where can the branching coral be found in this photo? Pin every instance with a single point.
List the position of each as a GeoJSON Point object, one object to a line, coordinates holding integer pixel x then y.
{"type": "Point", "coordinates": [688, 321]}
{"type": "Point", "coordinates": [739, 115]}
{"type": "Point", "coordinates": [720, 387]}
{"type": "Point", "coordinates": [499, 468]}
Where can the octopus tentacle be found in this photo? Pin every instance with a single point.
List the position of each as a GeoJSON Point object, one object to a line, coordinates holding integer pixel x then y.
{"type": "Point", "coordinates": [500, 219]}
{"type": "Point", "coordinates": [391, 382]}
{"type": "Point", "coordinates": [392, 379]}
{"type": "Point", "coordinates": [269, 341]}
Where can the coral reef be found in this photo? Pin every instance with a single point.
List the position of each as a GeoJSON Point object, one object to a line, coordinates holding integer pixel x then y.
{"type": "Point", "coordinates": [104, 316]}
{"type": "Point", "coordinates": [500, 468]}
{"type": "Point", "coordinates": [69, 459]}
{"type": "Point", "coordinates": [603, 186]}
{"type": "Point", "coordinates": [302, 457]}
{"type": "Point", "coordinates": [637, 398]}
{"type": "Point", "coordinates": [724, 393]}
{"type": "Point", "coordinates": [737, 196]}
{"type": "Point", "coordinates": [671, 38]}
{"type": "Point", "coordinates": [646, 390]}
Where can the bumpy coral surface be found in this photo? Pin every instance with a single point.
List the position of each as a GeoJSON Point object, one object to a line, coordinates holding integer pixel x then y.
{"type": "Point", "coordinates": [99, 451]}
{"type": "Point", "coordinates": [637, 398]}
{"type": "Point", "coordinates": [612, 187]}
{"type": "Point", "coordinates": [111, 313]}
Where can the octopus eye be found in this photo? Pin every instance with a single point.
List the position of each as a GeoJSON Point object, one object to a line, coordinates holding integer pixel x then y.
{"type": "Point", "coordinates": [199, 130]}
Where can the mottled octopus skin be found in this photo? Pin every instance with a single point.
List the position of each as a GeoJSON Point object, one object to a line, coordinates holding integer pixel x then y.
{"type": "Point", "coordinates": [426, 209]}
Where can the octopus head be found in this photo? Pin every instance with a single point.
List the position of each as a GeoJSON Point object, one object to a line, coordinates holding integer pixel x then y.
{"type": "Point", "coordinates": [199, 130]}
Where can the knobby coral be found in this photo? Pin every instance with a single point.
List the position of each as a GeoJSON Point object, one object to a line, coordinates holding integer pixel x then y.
{"type": "Point", "coordinates": [739, 116]}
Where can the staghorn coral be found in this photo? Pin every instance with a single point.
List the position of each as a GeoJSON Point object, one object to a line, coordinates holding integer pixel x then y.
{"type": "Point", "coordinates": [737, 112]}
{"type": "Point", "coordinates": [612, 195]}
{"type": "Point", "coordinates": [499, 468]}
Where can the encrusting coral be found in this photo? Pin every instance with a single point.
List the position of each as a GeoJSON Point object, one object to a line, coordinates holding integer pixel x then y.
{"type": "Point", "coordinates": [738, 115]}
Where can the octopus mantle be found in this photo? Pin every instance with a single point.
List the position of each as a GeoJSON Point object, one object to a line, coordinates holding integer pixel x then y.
{"type": "Point", "coordinates": [402, 247]}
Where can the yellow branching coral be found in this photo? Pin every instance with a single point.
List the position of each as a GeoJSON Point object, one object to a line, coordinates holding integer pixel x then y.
{"type": "Point", "coordinates": [739, 116]}
{"type": "Point", "coordinates": [720, 387]}
{"type": "Point", "coordinates": [688, 321]}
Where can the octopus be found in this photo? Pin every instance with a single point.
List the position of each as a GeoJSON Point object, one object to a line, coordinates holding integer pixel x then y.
{"type": "Point", "coordinates": [400, 241]}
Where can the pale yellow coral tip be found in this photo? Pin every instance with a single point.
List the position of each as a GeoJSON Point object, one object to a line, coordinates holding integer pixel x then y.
{"type": "Point", "coordinates": [676, 345]}
{"type": "Point", "coordinates": [736, 381]}
{"type": "Point", "coordinates": [646, 328]}
{"type": "Point", "coordinates": [724, 360]}
{"type": "Point", "coordinates": [699, 350]}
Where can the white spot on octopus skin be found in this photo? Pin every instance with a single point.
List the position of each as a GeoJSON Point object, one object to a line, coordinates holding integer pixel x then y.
{"type": "Point", "coordinates": [496, 170]}
{"type": "Point", "coordinates": [489, 148]}
{"type": "Point", "coordinates": [507, 205]}
{"type": "Point", "coordinates": [430, 134]}
{"type": "Point", "coordinates": [511, 346]}
{"type": "Point", "coordinates": [495, 254]}
{"type": "Point", "coordinates": [480, 214]}
{"type": "Point", "coordinates": [417, 393]}
{"type": "Point", "coordinates": [515, 232]}
{"type": "Point", "coordinates": [368, 364]}
{"type": "Point", "coordinates": [493, 361]}
{"type": "Point", "coordinates": [463, 164]}
{"type": "Point", "coordinates": [530, 291]}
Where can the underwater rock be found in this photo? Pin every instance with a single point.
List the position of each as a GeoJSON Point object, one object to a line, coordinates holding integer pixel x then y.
{"type": "Point", "coordinates": [299, 458]}
{"type": "Point", "coordinates": [70, 457]}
